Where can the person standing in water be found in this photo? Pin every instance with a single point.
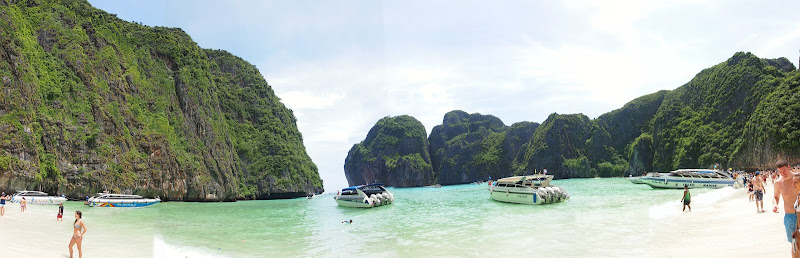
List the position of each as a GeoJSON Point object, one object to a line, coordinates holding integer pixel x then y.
{"type": "Point", "coordinates": [77, 234]}
{"type": "Point", "coordinates": [758, 186]}
{"type": "Point", "coordinates": [784, 188]}
{"type": "Point", "coordinates": [22, 204]}
{"type": "Point", "coordinates": [60, 215]}
{"type": "Point", "coordinates": [687, 198]}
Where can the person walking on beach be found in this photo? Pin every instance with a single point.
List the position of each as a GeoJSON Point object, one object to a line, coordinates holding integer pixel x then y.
{"type": "Point", "coordinates": [750, 188]}
{"type": "Point", "coordinates": [3, 204]}
{"type": "Point", "coordinates": [60, 212]}
{"type": "Point", "coordinates": [77, 234]}
{"type": "Point", "coordinates": [22, 204]}
{"type": "Point", "coordinates": [758, 186]}
{"type": "Point", "coordinates": [784, 188]}
{"type": "Point", "coordinates": [687, 198]}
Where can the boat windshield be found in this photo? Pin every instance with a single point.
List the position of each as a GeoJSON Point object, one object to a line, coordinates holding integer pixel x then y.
{"type": "Point", "coordinates": [373, 189]}
{"type": "Point", "coordinates": [349, 192]}
{"type": "Point", "coordinates": [121, 197]}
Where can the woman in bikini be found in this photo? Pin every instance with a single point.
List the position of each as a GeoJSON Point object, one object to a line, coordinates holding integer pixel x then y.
{"type": "Point", "coordinates": [77, 234]}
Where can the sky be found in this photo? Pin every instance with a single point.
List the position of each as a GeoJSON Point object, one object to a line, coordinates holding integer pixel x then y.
{"type": "Point", "coordinates": [343, 65]}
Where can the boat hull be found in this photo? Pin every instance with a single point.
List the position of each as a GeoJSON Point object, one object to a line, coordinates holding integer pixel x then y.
{"type": "Point", "coordinates": [123, 203]}
{"type": "Point", "coordinates": [353, 203]}
{"type": "Point", "coordinates": [521, 198]}
{"type": "Point", "coordinates": [636, 180]}
{"type": "Point", "coordinates": [679, 183]}
{"type": "Point", "coordinates": [43, 200]}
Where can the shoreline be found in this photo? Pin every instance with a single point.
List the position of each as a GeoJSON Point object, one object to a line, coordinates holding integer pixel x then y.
{"type": "Point", "coordinates": [720, 221]}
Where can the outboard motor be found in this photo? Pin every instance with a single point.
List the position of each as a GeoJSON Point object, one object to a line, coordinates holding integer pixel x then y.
{"type": "Point", "coordinates": [375, 200]}
{"type": "Point", "coordinates": [544, 195]}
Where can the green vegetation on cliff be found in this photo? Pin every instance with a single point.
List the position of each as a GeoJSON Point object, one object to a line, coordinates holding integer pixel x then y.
{"type": "Point", "coordinates": [395, 153]}
{"type": "Point", "coordinates": [701, 123]}
{"type": "Point", "coordinates": [741, 113]}
{"type": "Point", "coordinates": [468, 146]}
{"type": "Point", "coordinates": [91, 102]}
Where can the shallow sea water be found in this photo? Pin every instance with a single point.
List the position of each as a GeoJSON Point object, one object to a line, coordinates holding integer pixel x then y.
{"type": "Point", "coordinates": [604, 217]}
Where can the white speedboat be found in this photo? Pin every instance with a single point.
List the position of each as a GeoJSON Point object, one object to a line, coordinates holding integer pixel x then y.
{"type": "Point", "coordinates": [533, 189]}
{"type": "Point", "coordinates": [120, 200]}
{"type": "Point", "coordinates": [692, 178]}
{"type": "Point", "coordinates": [364, 196]}
{"type": "Point", "coordinates": [36, 197]}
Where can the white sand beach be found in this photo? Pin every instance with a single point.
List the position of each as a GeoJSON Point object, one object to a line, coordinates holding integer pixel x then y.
{"type": "Point", "coordinates": [36, 233]}
{"type": "Point", "coordinates": [728, 227]}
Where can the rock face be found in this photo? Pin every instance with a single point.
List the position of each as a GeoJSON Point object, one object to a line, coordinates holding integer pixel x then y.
{"type": "Point", "coordinates": [773, 131]}
{"type": "Point", "coordinates": [89, 102]}
{"type": "Point", "coordinates": [613, 132]}
{"type": "Point", "coordinates": [468, 148]}
{"type": "Point", "coordinates": [558, 145]}
{"type": "Point", "coordinates": [394, 153]}
{"type": "Point", "coordinates": [741, 113]}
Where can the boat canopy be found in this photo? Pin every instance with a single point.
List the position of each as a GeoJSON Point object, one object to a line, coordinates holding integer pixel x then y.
{"type": "Point", "coordinates": [361, 187]}
{"type": "Point", "coordinates": [514, 179]}
{"type": "Point", "coordinates": [31, 193]}
{"type": "Point", "coordinates": [700, 173]}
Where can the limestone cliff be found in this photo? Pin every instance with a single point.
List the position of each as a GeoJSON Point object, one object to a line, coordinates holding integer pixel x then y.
{"type": "Point", "coordinates": [394, 153]}
{"type": "Point", "coordinates": [89, 102]}
{"type": "Point", "coordinates": [742, 113]}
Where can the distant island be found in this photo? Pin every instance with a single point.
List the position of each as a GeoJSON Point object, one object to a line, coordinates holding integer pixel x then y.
{"type": "Point", "coordinates": [89, 102]}
{"type": "Point", "coordinates": [742, 113]}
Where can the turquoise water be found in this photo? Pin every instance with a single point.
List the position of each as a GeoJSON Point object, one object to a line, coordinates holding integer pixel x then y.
{"type": "Point", "coordinates": [603, 217]}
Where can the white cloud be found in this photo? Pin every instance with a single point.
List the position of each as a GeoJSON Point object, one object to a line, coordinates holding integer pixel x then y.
{"type": "Point", "coordinates": [300, 100]}
{"type": "Point", "coordinates": [341, 66]}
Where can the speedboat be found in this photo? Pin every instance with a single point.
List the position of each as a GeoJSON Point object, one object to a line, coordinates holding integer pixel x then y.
{"type": "Point", "coordinates": [364, 196]}
{"type": "Point", "coordinates": [120, 200]}
{"type": "Point", "coordinates": [533, 189]}
{"type": "Point", "coordinates": [36, 197]}
{"type": "Point", "coordinates": [692, 178]}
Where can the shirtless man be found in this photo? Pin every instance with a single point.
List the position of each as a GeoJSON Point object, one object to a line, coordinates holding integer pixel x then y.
{"type": "Point", "coordinates": [784, 187]}
{"type": "Point", "coordinates": [758, 187]}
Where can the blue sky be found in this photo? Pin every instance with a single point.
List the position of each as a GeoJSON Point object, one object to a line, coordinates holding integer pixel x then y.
{"type": "Point", "coordinates": [342, 65]}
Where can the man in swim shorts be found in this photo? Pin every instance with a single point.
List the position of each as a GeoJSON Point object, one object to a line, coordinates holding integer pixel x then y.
{"type": "Point", "coordinates": [784, 188]}
{"type": "Point", "coordinates": [758, 186]}
{"type": "Point", "coordinates": [687, 198]}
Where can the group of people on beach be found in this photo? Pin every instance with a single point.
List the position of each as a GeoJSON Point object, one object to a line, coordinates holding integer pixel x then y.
{"type": "Point", "coordinates": [79, 228]}
{"type": "Point", "coordinates": [786, 182]}
{"type": "Point", "coordinates": [3, 198]}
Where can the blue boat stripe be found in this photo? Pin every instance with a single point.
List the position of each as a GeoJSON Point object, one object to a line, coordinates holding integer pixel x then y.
{"type": "Point", "coordinates": [690, 181]}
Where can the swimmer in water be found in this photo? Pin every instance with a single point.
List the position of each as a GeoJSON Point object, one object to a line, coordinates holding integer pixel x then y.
{"type": "Point", "coordinates": [348, 222]}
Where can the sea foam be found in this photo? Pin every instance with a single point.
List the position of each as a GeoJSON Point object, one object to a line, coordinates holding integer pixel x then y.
{"type": "Point", "coordinates": [672, 208]}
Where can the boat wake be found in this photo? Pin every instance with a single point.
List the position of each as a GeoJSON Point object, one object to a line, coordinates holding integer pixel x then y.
{"type": "Point", "coordinates": [704, 200]}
